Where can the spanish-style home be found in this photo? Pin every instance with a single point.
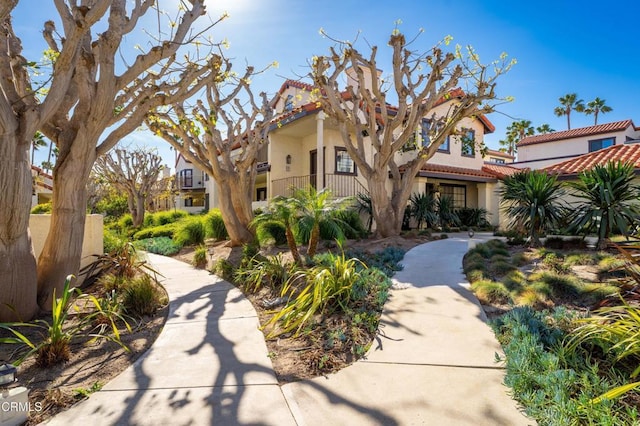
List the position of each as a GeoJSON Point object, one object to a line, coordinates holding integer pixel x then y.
{"type": "Point", "coordinates": [42, 188]}
{"type": "Point", "coordinates": [306, 148]}
{"type": "Point", "coordinates": [540, 151]}
{"type": "Point", "coordinates": [627, 152]}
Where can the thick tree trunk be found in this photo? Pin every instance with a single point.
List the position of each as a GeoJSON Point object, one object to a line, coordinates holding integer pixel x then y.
{"type": "Point", "coordinates": [17, 261]}
{"type": "Point", "coordinates": [388, 222]}
{"type": "Point", "coordinates": [63, 247]}
{"type": "Point", "coordinates": [138, 212]}
{"type": "Point", "coordinates": [236, 211]}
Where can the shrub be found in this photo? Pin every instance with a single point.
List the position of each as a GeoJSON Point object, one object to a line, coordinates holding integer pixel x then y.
{"type": "Point", "coordinates": [224, 269]}
{"type": "Point", "coordinates": [530, 297]}
{"type": "Point", "coordinates": [561, 285]}
{"type": "Point", "coordinates": [125, 222]}
{"type": "Point", "coordinates": [272, 271]}
{"type": "Point", "coordinates": [110, 282]}
{"type": "Point", "coordinates": [555, 386]}
{"type": "Point", "coordinates": [200, 257]}
{"type": "Point", "coordinates": [44, 208]}
{"type": "Point", "coordinates": [141, 296]}
{"type": "Point", "coordinates": [515, 281]}
{"type": "Point", "coordinates": [214, 225]}
{"type": "Point", "coordinates": [474, 275]}
{"type": "Point", "coordinates": [271, 232]}
{"type": "Point", "coordinates": [500, 268]}
{"type": "Point", "coordinates": [166, 230]}
{"type": "Point", "coordinates": [520, 259]}
{"type": "Point", "coordinates": [483, 250]}
{"type": "Point", "coordinates": [123, 261]}
{"type": "Point", "coordinates": [350, 222]}
{"type": "Point", "coordinates": [491, 292]}
{"type": "Point", "coordinates": [579, 259]}
{"type": "Point", "coordinates": [472, 217]}
{"type": "Point", "coordinates": [111, 240]}
{"type": "Point", "coordinates": [190, 231]}
{"type": "Point", "coordinates": [328, 290]}
{"type": "Point", "coordinates": [386, 260]}
{"type": "Point", "coordinates": [159, 245]}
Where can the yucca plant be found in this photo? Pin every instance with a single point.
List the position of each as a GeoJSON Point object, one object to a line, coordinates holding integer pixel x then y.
{"type": "Point", "coordinates": [56, 336]}
{"type": "Point", "coordinates": [608, 197]}
{"type": "Point", "coordinates": [446, 212]}
{"type": "Point", "coordinates": [533, 201]}
{"type": "Point", "coordinates": [423, 208]}
{"type": "Point", "coordinates": [328, 289]}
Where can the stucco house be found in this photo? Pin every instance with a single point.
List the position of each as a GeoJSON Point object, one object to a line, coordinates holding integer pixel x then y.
{"type": "Point", "coordinates": [540, 151]}
{"type": "Point", "coordinates": [42, 189]}
{"type": "Point", "coordinates": [305, 148]}
{"type": "Point", "coordinates": [627, 152]}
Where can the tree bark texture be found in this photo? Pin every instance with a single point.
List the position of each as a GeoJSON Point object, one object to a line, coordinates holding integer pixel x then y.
{"type": "Point", "coordinates": [17, 260]}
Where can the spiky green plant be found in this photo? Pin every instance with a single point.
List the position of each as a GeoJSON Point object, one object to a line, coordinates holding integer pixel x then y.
{"type": "Point", "coordinates": [423, 209]}
{"type": "Point", "coordinates": [533, 201]}
{"type": "Point", "coordinates": [608, 200]}
{"type": "Point", "coordinates": [281, 209]}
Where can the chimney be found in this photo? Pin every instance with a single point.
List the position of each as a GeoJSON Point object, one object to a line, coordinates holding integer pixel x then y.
{"type": "Point", "coordinates": [352, 77]}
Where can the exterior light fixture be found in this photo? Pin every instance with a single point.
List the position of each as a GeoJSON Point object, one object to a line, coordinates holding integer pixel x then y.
{"type": "Point", "coordinates": [471, 233]}
{"type": "Point", "coordinates": [288, 159]}
{"type": "Point", "coordinates": [7, 374]}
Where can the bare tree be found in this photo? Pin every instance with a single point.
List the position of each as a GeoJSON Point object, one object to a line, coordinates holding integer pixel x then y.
{"type": "Point", "coordinates": [23, 110]}
{"type": "Point", "coordinates": [223, 138]}
{"type": "Point", "coordinates": [135, 173]}
{"type": "Point", "coordinates": [108, 99]}
{"type": "Point", "coordinates": [420, 82]}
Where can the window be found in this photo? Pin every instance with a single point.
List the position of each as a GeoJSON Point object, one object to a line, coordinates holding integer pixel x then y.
{"type": "Point", "coordinates": [445, 146]}
{"type": "Point", "coordinates": [599, 144]}
{"type": "Point", "coordinates": [468, 142]}
{"type": "Point", "coordinates": [194, 201]}
{"type": "Point", "coordinates": [186, 178]}
{"type": "Point", "coordinates": [261, 194]}
{"type": "Point", "coordinates": [456, 192]}
{"type": "Point", "coordinates": [344, 163]}
{"type": "Point", "coordinates": [497, 160]}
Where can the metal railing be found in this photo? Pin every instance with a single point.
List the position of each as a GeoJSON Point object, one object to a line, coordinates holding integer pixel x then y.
{"type": "Point", "coordinates": [340, 185]}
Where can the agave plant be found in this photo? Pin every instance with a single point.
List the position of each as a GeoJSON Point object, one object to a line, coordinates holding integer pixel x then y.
{"type": "Point", "coordinates": [608, 199]}
{"type": "Point", "coordinates": [533, 201]}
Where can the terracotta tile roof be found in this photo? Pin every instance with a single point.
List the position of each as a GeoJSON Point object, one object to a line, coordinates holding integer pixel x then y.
{"type": "Point", "coordinates": [616, 126]}
{"type": "Point", "coordinates": [41, 172]}
{"type": "Point", "coordinates": [444, 169]}
{"type": "Point", "coordinates": [500, 170]}
{"type": "Point", "coordinates": [624, 153]}
{"type": "Point", "coordinates": [500, 153]}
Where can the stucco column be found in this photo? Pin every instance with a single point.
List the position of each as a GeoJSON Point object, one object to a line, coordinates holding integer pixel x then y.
{"type": "Point", "coordinates": [320, 150]}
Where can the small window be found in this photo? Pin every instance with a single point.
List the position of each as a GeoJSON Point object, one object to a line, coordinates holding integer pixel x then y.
{"type": "Point", "coordinates": [261, 194]}
{"type": "Point", "coordinates": [598, 144]}
{"type": "Point", "coordinates": [344, 162]}
{"type": "Point", "coordinates": [186, 178]}
{"type": "Point", "coordinates": [468, 142]}
{"type": "Point", "coordinates": [458, 193]}
{"type": "Point", "coordinates": [498, 160]}
{"type": "Point", "coordinates": [445, 147]}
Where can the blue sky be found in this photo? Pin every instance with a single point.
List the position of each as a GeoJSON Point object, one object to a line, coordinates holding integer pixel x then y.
{"type": "Point", "coordinates": [561, 46]}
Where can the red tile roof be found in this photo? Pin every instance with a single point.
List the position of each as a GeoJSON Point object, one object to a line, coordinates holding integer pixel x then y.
{"type": "Point", "coordinates": [500, 170]}
{"type": "Point", "coordinates": [444, 169]}
{"type": "Point", "coordinates": [616, 126]}
{"type": "Point", "coordinates": [499, 153]}
{"type": "Point", "coordinates": [624, 153]}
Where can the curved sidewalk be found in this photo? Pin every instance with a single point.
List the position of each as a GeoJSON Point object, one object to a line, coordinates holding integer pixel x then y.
{"type": "Point", "coordinates": [432, 363]}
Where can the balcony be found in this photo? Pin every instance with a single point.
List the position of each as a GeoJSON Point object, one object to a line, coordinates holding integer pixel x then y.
{"type": "Point", "coordinates": [340, 185]}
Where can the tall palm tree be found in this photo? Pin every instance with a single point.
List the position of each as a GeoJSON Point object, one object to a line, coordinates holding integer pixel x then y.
{"type": "Point", "coordinates": [568, 103]}
{"type": "Point", "coordinates": [595, 107]}
{"type": "Point", "coordinates": [543, 129]}
{"type": "Point", "coordinates": [608, 200]}
{"type": "Point", "coordinates": [37, 142]}
{"type": "Point", "coordinates": [532, 199]}
{"type": "Point", "coordinates": [516, 131]}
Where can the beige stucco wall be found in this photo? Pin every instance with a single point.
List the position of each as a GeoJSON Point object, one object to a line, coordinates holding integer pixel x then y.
{"type": "Point", "coordinates": [568, 147]}
{"type": "Point", "coordinates": [93, 236]}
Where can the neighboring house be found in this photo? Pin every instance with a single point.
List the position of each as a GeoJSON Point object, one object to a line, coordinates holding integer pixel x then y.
{"type": "Point", "coordinates": [540, 151]}
{"type": "Point", "coordinates": [42, 189]}
{"type": "Point", "coordinates": [628, 152]}
{"type": "Point", "coordinates": [498, 157]}
{"type": "Point", "coordinates": [192, 187]}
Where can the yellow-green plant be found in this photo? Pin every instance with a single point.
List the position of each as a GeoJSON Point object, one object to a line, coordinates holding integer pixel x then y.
{"type": "Point", "coordinates": [272, 271]}
{"type": "Point", "coordinates": [141, 296]}
{"type": "Point", "coordinates": [57, 335]}
{"type": "Point", "coordinates": [328, 288]}
{"type": "Point", "coordinates": [200, 257]}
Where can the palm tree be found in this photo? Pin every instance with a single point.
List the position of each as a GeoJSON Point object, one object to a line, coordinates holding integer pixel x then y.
{"type": "Point", "coordinates": [313, 208]}
{"type": "Point", "coordinates": [543, 129]}
{"type": "Point", "coordinates": [569, 102]}
{"type": "Point", "coordinates": [37, 142]}
{"type": "Point", "coordinates": [282, 210]}
{"type": "Point", "coordinates": [595, 107]}
{"type": "Point", "coordinates": [533, 201]}
{"type": "Point", "coordinates": [516, 131]}
{"type": "Point", "coordinates": [608, 200]}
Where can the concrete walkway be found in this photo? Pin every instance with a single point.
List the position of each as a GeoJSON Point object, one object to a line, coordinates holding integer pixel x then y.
{"type": "Point", "coordinates": [432, 364]}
